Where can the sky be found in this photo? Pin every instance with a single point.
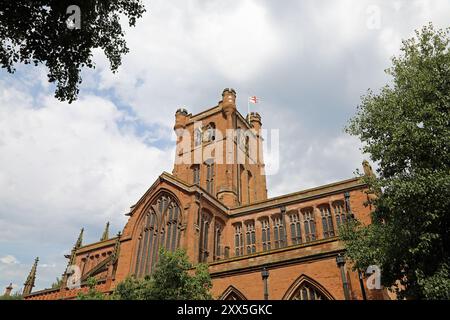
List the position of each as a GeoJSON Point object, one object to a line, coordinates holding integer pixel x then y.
{"type": "Point", "coordinates": [67, 166]}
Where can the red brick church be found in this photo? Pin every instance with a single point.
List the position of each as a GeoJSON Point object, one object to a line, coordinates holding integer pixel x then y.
{"type": "Point", "coordinates": [214, 205]}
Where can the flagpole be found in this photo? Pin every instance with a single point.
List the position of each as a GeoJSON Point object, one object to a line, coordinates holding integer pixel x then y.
{"type": "Point", "coordinates": [248, 106]}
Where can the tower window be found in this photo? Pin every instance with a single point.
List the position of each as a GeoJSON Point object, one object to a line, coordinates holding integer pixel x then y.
{"type": "Point", "coordinates": [217, 240]}
{"type": "Point", "coordinates": [197, 137]}
{"type": "Point", "coordinates": [210, 177]}
{"type": "Point", "coordinates": [196, 173]}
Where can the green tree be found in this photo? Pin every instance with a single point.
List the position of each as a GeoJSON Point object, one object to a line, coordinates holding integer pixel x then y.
{"type": "Point", "coordinates": [57, 283]}
{"type": "Point", "coordinates": [14, 296]}
{"type": "Point", "coordinates": [406, 130]}
{"type": "Point", "coordinates": [37, 32]}
{"type": "Point", "coordinates": [172, 279]}
{"type": "Point", "coordinates": [93, 293]}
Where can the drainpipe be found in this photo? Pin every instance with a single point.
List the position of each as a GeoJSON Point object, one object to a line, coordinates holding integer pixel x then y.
{"type": "Point", "coordinates": [340, 261]}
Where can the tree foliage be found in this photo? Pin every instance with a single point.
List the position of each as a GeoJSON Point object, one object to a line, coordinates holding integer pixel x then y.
{"type": "Point", "coordinates": [172, 279]}
{"type": "Point", "coordinates": [406, 130]}
{"type": "Point", "coordinates": [14, 296]}
{"type": "Point", "coordinates": [93, 293]}
{"type": "Point", "coordinates": [36, 31]}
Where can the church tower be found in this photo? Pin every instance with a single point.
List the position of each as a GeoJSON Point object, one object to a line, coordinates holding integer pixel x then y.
{"type": "Point", "coordinates": [221, 151]}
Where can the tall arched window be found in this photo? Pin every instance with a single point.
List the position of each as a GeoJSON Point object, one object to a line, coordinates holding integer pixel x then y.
{"type": "Point", "coordinates": [250, 237]}
{"type": "Point", "coordinates": [250, 186]}
{"type": "Point", "coordinates": [238, 240]}
{"type": "Point", "coordinates": [160, 228]}
{"type": "Point", "coordinates": [327, 221]}
{"type": "Point", "coordinates": [339, 212]}
{"type": "Point", "coordinates": [210, 176]}
{"type": "Point", "coordinates": [197, 137]}
{"type": "Point", "coordinates": [278, 232]}
{"type": "Point", "coordinates": [296, 234]}
{"type": "Point", "coordinates": [210, 132]}
{"type": "Point", "coordinates": [265, 236]}
{"type": "Point", "coordinates": [205, 225]}
{"type": "Point", "coordinates": [196, 174]}
{"type": "Point", "coordinates": [218, 229]}
{"type": "Point", "coordinates": [309, 223]}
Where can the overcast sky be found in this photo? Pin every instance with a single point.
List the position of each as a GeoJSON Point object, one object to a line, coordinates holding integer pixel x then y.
{"type": "Point", "coordinates": [64, 167]}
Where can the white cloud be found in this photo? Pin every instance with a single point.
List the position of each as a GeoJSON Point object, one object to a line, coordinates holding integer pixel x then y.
{"type": "Point", "coordinates": [8, 259]}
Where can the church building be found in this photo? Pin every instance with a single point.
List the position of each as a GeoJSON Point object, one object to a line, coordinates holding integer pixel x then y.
{"type": "Point", "coordinates": [214, 205]}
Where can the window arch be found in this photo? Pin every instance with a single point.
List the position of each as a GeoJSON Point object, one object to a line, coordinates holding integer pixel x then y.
{"type": "Point", "coordinates": [210, 176]}
{"type": "Point", "coordinates": [295, 228]}
{"type": "Point", "coordinates": [309, 224]}
{"type": "Point", "coordinates": [160, 227]}
{"type": "Point", "coordinates": [197, 137]}
{"type": "Point", "coordinates": [210, 132]}
{"type": "Point", "coordinates": [327, 221]}
{"type": "Point", "coordinates": [231, 293]}
{"type": "Point", "coordinates": [339, 212]}
{"type": "Point", "coordinates": [278, 231]}
{"type": "Point", "coordinates": [265, 233]}
{"type": "Point", "coordinates": [238, 239]}
{"type": "Point", "coordinates": [218, 231]}
{"type": "Point", "coordinates": [205, 225]}
{"type": "Point", "coordinates": [250, 236]}
{"type": "Point", "coordinates": [305, 288]}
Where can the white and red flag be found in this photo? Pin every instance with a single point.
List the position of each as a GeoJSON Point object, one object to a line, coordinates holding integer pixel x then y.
{"type": "Point", "coordinates": [253, 99]}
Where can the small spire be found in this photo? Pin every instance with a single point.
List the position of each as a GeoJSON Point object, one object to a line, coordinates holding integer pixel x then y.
{"type": "Point", "coordinates": [79, 242]}
{"type": "Point", "coordinates": [105, 235]}
{"type": "Point", "coordinates": [368, 171]}
{"type": "Point", "coordinates": [8, 290]}
{"type": "Point", "coordinates": [29, 283]}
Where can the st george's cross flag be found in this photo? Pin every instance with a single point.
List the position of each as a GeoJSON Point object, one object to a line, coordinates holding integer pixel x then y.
{"type": "Point", "coordinates": [253, 99]}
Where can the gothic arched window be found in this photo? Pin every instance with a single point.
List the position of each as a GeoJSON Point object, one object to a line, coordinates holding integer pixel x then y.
{"type": "Point", "coordinates": [278, 231]}
{"type": "Point", "coordinates": [305, 288]}
{"type": "Point", "coordinates": [339, 212]}
{"type": "Point", "coordinates": [265, 233]}
{"type": "Point", "coordinates": [250, 237]}
{"type": "Point", "coordinates": [197, 137]}
{"type": "Point", "coordinates": [308, 292]}
{"type": "Point", "coordinates": [205, 224]}
{"type": "Point", "coordinates": [238, 240]}
{"type": "Point", "coordinates": [210, 132]}
{"type": "Point", "coordinates": [309, 224]}
{"type": "Point", "coordinates": [218, 229]}
{"type": "Point", "coordinates": [296, 234]}
{"type": "Point", "coordinates": [327, 221]}
{"type": "Point", "coordinates": [160, 227]}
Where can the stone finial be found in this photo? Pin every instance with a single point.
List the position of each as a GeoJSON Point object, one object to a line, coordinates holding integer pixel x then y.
{"type": "Point", "coordinates": [29, 283]}
{"type": "Point", "coordinates": [8, 290]}
{"type": "Point", "coordinates": [368, 171]}
{"type": "Point", "coordinates": [79, 242]}
{"type": "Point", "coordinates": [105, 235]}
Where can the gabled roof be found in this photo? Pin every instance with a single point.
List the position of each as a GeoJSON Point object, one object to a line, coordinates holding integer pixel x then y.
{"type": "Point", "coordinates": [171, 179]}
